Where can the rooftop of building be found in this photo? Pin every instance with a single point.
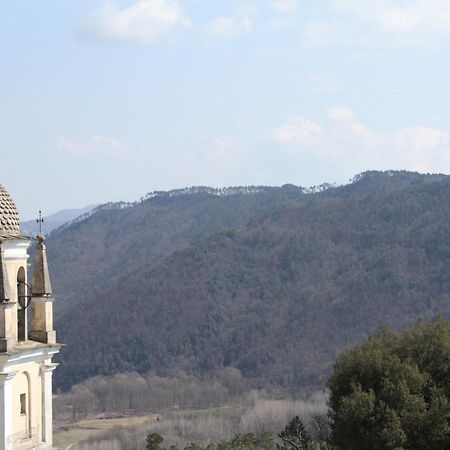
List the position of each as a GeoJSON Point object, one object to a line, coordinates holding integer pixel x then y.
{"type": "Point", "coordinates": [9, 216]}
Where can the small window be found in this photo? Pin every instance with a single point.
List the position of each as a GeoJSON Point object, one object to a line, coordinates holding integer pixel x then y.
{"type": "Point", "coordinates": [23, 403]}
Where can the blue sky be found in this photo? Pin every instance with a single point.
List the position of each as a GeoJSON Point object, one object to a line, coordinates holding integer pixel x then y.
{"type": "Point", "coordinates": [108, 100]}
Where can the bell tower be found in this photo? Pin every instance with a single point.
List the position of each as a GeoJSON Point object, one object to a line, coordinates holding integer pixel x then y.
{"type": "Point", "coordinates": [25, 355]}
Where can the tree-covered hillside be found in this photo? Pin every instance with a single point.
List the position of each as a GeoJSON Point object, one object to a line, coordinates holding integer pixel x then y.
{"type": "Point", "coordinates": [275, 290]}
{"type": "Point", "coordinates": [119, 238]}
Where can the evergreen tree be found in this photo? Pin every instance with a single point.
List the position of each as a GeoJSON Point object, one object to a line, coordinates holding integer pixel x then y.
{"type": "Point", "coordinates": [154, 441]}
{"type": "Point", "coordinates": [393, 391]}
{"type": "Point", "coordinates": [294, 436]}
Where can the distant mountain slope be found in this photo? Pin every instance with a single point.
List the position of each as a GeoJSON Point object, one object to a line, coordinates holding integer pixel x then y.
{"type": "Point", "coordinates": [119, 239]}
{"type": "Point", "coordinates": [277, 297]}
{"type": "Point", "coordinates": [53, 221]}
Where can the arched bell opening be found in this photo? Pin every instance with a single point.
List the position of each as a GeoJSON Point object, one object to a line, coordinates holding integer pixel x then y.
{"type": "Point", "coordinates": [21, 306]}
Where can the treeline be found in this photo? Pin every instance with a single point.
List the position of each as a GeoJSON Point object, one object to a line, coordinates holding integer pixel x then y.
{"type": "Point", "coordinates": [237, 190]}
{"type": "Point", "coordinates": [221, 192]}
{"type": "Point", "coordinates": [199, 190]}
{"type": "Point", "coordinates": [135, 393]}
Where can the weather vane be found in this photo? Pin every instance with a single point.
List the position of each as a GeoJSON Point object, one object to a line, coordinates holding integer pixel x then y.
{"type": "Point", "coordinates": [40, 221]}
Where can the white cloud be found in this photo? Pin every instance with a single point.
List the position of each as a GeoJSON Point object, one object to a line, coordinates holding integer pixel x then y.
{"type": "Point", "coordinates": [144, 22]}
{"type": "Point", "coordinates": [247, 10]}
{"type": "Point", "coordinates": [319, 33]}
{"type": "Point", "coordinates": [220, 147]}
{"type": "Point", "coordinates": [379, 23]}
{"type": "Point", "coordinates": [423, 145]}
{"type": "Point", "coordinates": [215, 150]}
{"type": "Point", "coordinates": [344, 141]}
{"type": "Point", "coordinates": [398, 20]}
{"type": "Point", "coordinates": [340, 113]}
{"type": "Point", "coordinates": [217, 160]}
{"type": "Point", "coordinates": [95, 145]}
{"type": "Point", "coordinates": [298, 130]}
{"type": "Point", "coordinates": [228, 26]}
{"type": "Point", "coordinates": [421, 138]}
{"type": "Point", "coordinates": [241, 22]}
{"type": "Point", "coordinates": [285, 6]}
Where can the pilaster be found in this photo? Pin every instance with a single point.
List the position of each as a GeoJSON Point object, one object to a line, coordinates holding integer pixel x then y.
{"type": "Point", "coordinates": [47, 407]}
{"type": "Point", "coordinates": [8, 325]}
{"type": "Point", "coordinates": [6, 437]}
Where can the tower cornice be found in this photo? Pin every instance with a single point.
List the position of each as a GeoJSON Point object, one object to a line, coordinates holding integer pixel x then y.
{"type": "Point", "coordinates": [29, 351]}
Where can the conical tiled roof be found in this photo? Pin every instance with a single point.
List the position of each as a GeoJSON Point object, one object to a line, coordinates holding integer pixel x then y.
{"type": "Point", "coordinates": [9, 217]}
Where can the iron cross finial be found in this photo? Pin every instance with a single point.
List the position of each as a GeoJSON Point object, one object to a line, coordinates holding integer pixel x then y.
{"type": "Point", "coordinates": [40, 221]}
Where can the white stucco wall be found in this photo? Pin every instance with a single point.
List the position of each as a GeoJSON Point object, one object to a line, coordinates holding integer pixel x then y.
{"type": "Point", "coordinates": [27, 381]}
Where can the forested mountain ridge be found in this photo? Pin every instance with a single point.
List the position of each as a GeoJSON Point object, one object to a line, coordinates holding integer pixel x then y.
{"type": "Point", "coordinates": [116, 239]}
{"type": "Point", "coordinates": [278, 295]}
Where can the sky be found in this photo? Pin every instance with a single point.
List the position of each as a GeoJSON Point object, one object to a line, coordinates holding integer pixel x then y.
{"type": "Point", "coordinates": [109, 100]}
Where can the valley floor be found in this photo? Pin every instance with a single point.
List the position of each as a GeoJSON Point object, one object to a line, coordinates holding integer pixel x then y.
{"type": "Point", "coordinates": [67, 435]}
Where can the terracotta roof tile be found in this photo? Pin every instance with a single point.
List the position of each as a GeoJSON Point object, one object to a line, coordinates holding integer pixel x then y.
{"type": "Point", "coordinates": [9, 217]}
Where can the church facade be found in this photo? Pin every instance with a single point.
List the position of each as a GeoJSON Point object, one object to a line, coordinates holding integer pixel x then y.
{"type": "Point", "coordinates": [27, 338]}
